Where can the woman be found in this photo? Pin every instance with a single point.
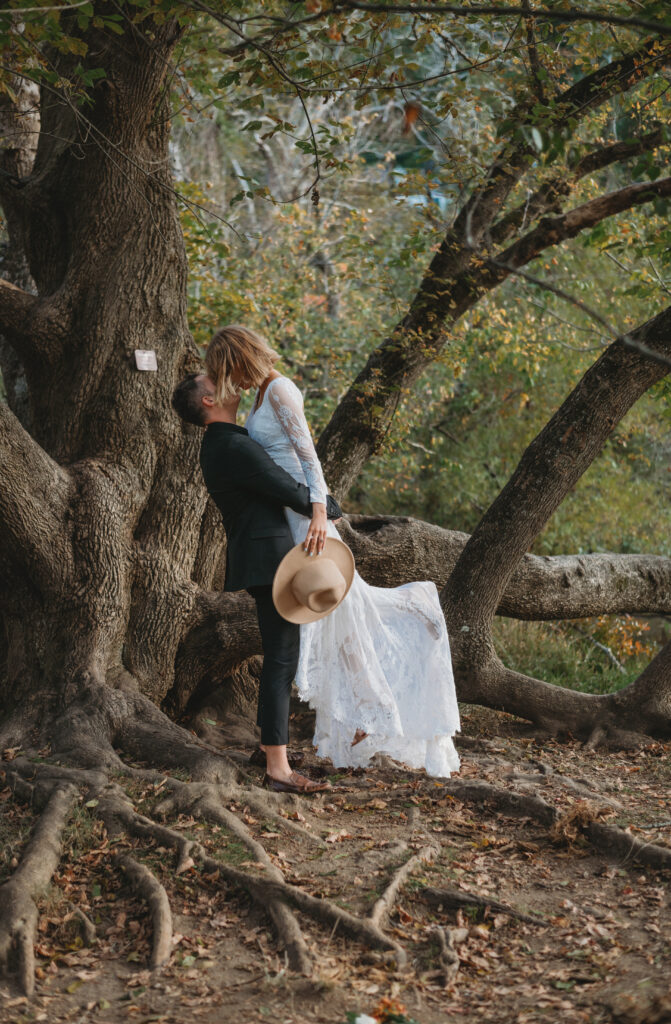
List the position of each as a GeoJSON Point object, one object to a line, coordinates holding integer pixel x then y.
{"type": "Point", "coordinates": [377, 670]}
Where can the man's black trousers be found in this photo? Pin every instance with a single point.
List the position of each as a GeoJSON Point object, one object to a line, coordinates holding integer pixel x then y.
{"type": "Point", "coordinates": [281, 645]}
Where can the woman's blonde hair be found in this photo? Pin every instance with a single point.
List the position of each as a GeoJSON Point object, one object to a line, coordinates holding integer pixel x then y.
{"type": "Point", "coordinates": [237, 348]}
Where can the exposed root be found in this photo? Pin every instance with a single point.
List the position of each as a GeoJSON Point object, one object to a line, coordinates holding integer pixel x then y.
{"type": "Point", "coordinates": [505, 800]}
{"type": "Point", "coordinates": [382, 907]}
{"type": "Point", "coordinates": [18, 913]}
{"type": "Point", "coordinates": [204, 800]}
{"type": "Point", "coordinates": [455, 900]}
{"type": "Point", "coordinates": [86, 925]}
{"type": "Point", "coordinates": [114, 806]}
{"type": "Point", "coordinates": [580, 787]}
{"type": "Point", "coordinates": [148, 888]}
{"type": "Point", "coordinates": [597, 736]}
{"type": "Point", "coordinates": [261, 804]}
{"type": "Point", "coordinates": [449, 960]}
{"type": "Point", "coordinates": [617, 842]}
{"type": "Point", "coordinates": [44, 771]}
{"type": "Point", "coordinates": [207, 799]}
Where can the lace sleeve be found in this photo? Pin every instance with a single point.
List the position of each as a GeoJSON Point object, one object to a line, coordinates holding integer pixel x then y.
{"type": "Point", "coordinates": [287, 403]}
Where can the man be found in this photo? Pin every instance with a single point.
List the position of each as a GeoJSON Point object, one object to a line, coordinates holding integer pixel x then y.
{"type": "Point", "coordinates": [251, 491]}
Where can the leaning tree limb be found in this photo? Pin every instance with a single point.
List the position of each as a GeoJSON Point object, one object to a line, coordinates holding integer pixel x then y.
{"type": "Point", "coordinates": [18, 913]}
{"type": "Point", "coordinates": [450, 286]}
{"type": "Point", "coordinates": [548, 469]}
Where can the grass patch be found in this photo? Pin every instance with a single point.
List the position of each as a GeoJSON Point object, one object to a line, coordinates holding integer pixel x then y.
{"type": "Point", "coordinates": [558, 654]}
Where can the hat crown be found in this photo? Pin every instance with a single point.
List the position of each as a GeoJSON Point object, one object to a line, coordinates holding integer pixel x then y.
{"type": "Point", "coordinates": [319, 585]}
{"type": "Point", "coordinates": [308, 588]}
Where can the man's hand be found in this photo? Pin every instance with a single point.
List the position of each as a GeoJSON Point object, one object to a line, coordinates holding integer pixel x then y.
{"type": "Point", "coordinates": [316, 535]}
{"type": "Point", "coordinates": [333, 509]}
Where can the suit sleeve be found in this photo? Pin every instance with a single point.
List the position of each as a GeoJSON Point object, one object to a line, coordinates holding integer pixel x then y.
{"type": "Point", "coordinates": [254, 470]}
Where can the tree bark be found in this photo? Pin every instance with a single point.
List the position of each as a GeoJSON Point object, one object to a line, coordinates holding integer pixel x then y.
{"type": "Point", "coordinates": [102, 506]}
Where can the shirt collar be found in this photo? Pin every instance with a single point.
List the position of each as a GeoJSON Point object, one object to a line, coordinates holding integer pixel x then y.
{"type": "Point", "coordinates": [220, 427]}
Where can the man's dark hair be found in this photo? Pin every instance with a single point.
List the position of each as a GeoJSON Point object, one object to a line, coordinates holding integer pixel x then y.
{"type": "Point", "coordinates": [187, 399]}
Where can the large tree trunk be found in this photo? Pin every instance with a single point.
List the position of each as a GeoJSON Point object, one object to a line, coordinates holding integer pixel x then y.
{"type": "Point", "coordinates": [103, 502]}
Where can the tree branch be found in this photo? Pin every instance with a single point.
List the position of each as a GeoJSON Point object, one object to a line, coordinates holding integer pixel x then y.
{"type": "Point", "coordinates": [551, 194]}
{"type": "Point", "coordinates": [16, 310]}
{"type": "Point", "coordinates": [359, 424]}
{"type": "Point", "coordinates": [553, 230]}
{"type": "Point", "coordinates": [568, 16]}
{"type": "Point", "coordinates": [33, 505]}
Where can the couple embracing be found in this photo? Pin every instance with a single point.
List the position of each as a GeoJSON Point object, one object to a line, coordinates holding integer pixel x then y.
{"type": "Point", "coordinates": [373, 662]}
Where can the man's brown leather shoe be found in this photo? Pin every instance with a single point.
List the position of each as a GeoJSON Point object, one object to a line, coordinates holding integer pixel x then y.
{"type": "Point", "coordinates": [296, 783]}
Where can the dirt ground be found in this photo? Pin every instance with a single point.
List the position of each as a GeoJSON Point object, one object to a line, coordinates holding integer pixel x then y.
{"type": "Point", "coordinates": [598, 947]}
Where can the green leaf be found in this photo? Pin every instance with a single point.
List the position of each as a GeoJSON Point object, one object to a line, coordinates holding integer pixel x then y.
{"type": "Point", "coordinates": [91, 803]}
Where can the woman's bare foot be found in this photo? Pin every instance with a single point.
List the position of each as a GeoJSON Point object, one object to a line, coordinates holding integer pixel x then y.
{"type": "Point", "coordinates": [358, 736]}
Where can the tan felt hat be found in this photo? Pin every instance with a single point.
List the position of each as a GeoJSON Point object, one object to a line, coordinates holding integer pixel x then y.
{"type": "Point", "coordinates": [309, 587]}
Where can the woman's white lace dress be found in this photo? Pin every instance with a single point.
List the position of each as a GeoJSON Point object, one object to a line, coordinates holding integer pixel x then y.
{"type": "Point", "coordinates": [381, 661]}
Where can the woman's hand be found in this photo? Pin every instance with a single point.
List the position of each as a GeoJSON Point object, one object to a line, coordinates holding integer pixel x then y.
{"type": "Point", "coordinates": [316, 535]}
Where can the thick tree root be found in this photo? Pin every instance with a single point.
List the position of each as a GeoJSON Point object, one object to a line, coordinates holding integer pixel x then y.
{"type": "Point", "coordinates": [148, 888]}
{"type": "Point", "coordinates": [18, 913]}
{"type": "Point", "coordinates": [455, 900]}
{"type": "Point", "coordinates": [383, 906]}
{"type": "Point", "coordinates": [449, 959]}
{"type": "Point", "coordinates": [617, 842]}
{"type": "Point", "coordinates": [205, 801]}
{"type": "Point", "coordinates": [505, 800]}
{"type": "Point", "coordinates": [286, 925]}
{"type": "Point", "coordinates": [609, 839]}
{"type": "Point", "coordinates": [115, 806]}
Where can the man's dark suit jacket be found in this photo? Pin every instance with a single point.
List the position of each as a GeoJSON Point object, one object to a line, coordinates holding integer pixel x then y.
{"type": "Point", "coordinates": [250, 491]}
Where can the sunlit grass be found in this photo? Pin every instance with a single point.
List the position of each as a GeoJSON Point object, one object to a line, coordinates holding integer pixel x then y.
{"type": "Point", "coordinates": [556, 654]}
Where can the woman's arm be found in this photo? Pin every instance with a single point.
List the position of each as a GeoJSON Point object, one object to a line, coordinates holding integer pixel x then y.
{"type": "Point", "coordinates": [287, 403]}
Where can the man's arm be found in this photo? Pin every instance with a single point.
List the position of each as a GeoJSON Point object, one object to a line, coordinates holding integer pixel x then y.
{"type": "Point", "coordinates": [249, 466]}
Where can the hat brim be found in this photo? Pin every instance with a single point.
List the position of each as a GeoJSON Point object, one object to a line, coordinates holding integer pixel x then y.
{"type": "Point", "coordinates": [283, 598]}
